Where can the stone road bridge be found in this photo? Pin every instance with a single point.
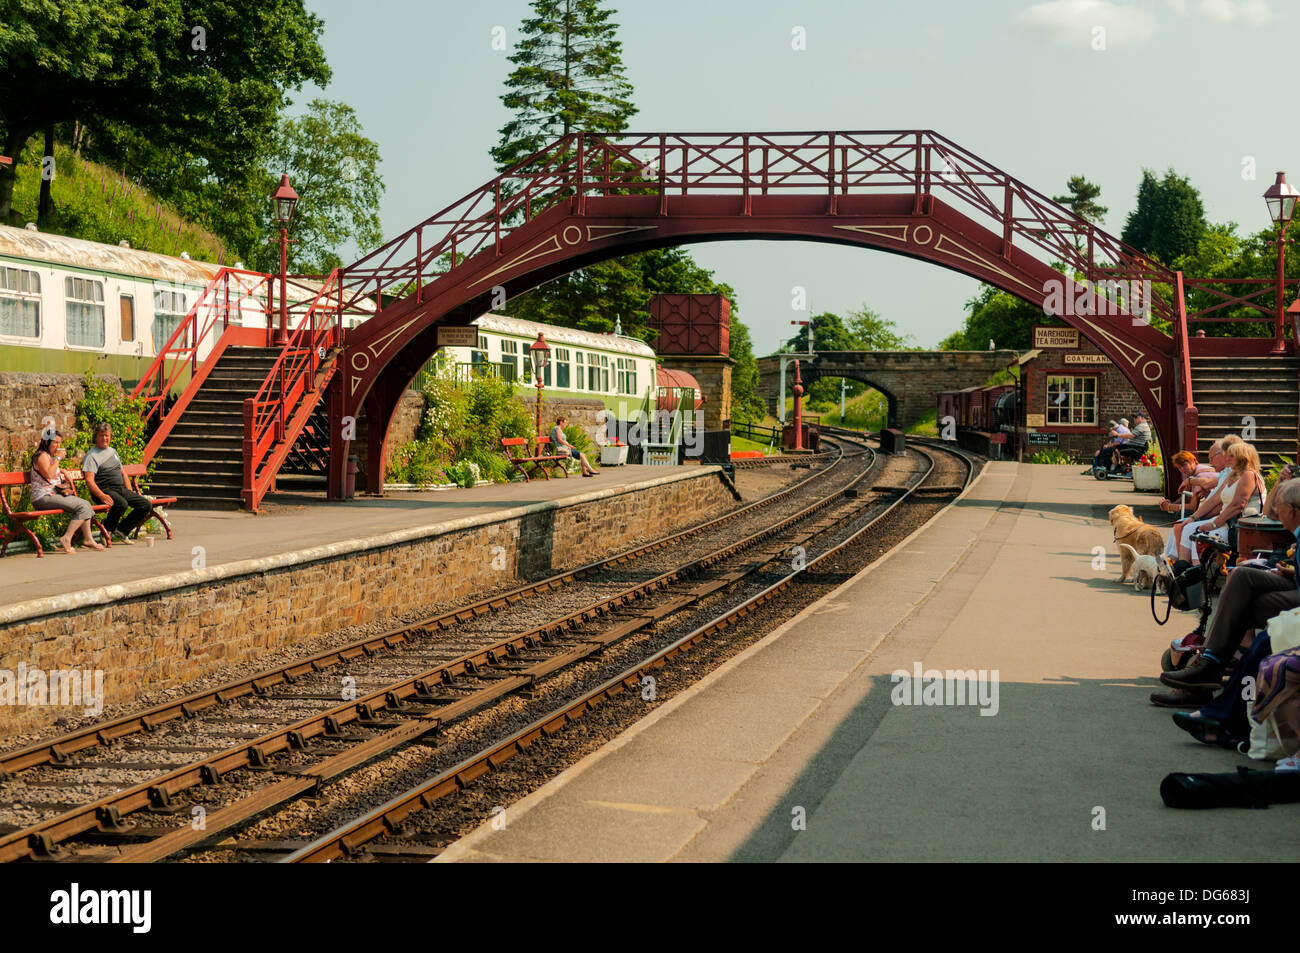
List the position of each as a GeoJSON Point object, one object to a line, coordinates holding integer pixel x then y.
{"type": "Point", "coordinates": [910, 380]}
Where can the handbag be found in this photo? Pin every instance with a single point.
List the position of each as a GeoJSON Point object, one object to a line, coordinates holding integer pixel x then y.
{"type": "Point", "coordinates": [1186, 591]}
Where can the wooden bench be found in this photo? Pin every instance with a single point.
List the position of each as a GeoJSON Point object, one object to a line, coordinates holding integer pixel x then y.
{"type": "Point", "coordinates": [18, 520]}
{"type": "Point", "coordinates": [541, 460]}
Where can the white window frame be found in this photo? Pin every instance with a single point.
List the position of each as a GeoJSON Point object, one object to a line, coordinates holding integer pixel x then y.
{"type": "Point", "coordinates": [22, 296]}
{"type": "Point", "coordinates": [90, 302]}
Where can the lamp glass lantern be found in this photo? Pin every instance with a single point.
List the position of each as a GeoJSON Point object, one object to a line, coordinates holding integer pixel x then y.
{"type": "Point", "coordinates": [285, 201]}
{"type": "Point", "coordinates": [1280, 198]}
{"type": "Point", "coordinates": [541, 355]}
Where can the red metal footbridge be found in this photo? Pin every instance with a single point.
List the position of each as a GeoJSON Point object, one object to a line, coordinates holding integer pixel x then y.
{"type": "Point", "coordinates": [586, 198]}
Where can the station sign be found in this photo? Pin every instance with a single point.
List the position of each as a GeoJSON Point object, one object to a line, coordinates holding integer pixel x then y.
{"type": "Point", "coordinates": [1056, 337]}
{"type": "Point", "coordinates": [1044, 439]}
{"type": "Point", "coordinates": [465, 335]}
{"type": "Point", "coordinates": [1086, 359]}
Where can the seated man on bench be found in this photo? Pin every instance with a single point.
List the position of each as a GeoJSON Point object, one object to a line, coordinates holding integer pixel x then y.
{"type": "Point", "coordinates": [102, 468]}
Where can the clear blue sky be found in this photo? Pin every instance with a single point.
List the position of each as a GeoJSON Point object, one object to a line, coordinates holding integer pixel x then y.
{"type": "Point", "coordinates": [1198, 85]}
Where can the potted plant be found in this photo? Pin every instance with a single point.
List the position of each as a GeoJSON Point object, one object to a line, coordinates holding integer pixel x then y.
{"type": "Point", "coordinates": [1148, 474]}
{"type": "Point", "coordinates": [613, 454]}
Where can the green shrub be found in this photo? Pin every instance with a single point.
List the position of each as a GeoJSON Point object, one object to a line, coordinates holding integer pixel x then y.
{"type": "Point", "coordinates": [1053, 455]}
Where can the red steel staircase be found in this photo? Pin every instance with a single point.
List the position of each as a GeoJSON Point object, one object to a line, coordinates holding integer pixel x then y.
{"type": "Point", "coordinates": [239, 411]}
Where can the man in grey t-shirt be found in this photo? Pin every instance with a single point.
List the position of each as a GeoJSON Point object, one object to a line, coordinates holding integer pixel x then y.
{"type": "Point", "coordinates": [102, 468]}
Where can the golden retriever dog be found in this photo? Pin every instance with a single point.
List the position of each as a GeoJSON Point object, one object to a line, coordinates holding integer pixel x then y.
{"type": "Point", "coordinates": [1139, 538]}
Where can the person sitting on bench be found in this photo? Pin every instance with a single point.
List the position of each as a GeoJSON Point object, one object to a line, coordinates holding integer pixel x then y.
{"type": "Point", "coordinates": [1249, 599]}
{"type": "Point", "coordinates": [52, 490]}
{"type": "Point", "coordinates": [103, 471]}
{"type": "Point", "coordinates": [561, 445]}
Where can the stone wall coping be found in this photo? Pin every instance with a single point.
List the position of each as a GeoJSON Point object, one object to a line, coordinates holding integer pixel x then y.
{"type": "Point", "coordinates": [102, 595]}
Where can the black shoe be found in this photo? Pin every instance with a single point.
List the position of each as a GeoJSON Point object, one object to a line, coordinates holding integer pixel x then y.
{"type": "Point", "coordinates": [1203, 674]}
{"type": "Point", "coordinates": [1180, 698]}
{"type": "Point", "coordinates": [1207, 731]}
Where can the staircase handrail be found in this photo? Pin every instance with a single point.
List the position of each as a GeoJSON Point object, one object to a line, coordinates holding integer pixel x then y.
{"type": "Point", "coordinates": [266, 417]}
{"type": "Point", "coordinates": [183, 344]}
{"type": "Point", "coordinates": [1183, 367]}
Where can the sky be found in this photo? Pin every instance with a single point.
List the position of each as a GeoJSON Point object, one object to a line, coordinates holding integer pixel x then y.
{"type": "Point", "coordinates": [1042, 90]}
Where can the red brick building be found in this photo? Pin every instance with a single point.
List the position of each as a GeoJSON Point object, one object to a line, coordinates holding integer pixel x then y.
{"type": "Point", "coordinates": [1071, 391]}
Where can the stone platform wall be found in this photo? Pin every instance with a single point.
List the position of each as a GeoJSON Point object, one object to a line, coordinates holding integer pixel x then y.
{"type": "Point", "coordinates": [167, 632]}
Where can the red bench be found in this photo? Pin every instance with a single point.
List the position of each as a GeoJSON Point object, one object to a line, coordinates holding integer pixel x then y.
{"type": "Point", "coordinates": [541, 460]}
{"type": "Point", "coordinates": [18, 520]}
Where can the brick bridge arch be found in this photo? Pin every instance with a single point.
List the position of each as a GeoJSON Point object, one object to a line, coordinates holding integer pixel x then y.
{"type": "Point", "coordinates": [910, 380]}
{"type": "Point", "coordinates": [588, 198]}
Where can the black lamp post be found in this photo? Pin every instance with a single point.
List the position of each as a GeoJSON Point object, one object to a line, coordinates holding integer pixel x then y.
{"type": "Point", "coordinates": [285, 199]}
{"type": "Point", "coordinates": [1280, 198]}
{"type": "Point", "coordinates": [541, 355]}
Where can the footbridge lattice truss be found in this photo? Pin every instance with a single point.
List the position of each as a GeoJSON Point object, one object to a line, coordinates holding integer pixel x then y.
{"type": "Point", "coordinates": [586, 198]}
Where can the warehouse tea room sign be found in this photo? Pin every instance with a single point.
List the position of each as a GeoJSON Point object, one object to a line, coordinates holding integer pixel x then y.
{"type": "Point", "coordinates": [1056, 337]}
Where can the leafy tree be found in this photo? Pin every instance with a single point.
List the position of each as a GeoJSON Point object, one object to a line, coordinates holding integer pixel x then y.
{"type": "Point", "coordinates": [745, 402]}
{"type": "Point", "coordinates": [568, 75]}
{"type": "Point", "coordinates": [1082, 199]}
{"type": "Point", "coordinates": [871, 332]}
{"type": "Point", "coordinates": [865, 330]}
{"type": "Point", "coordinates": [332, 166]}
{"type": "Point", "coordinates": [997, 316]}
{"type": "Point", "coordinates": [1169, 218]}
{"type": "Point", "coordinates": [203, 79]}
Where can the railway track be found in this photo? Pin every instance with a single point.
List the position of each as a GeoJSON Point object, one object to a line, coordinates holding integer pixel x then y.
{"type": "Point", "coordinates": [391, 819]}
{"type": "Point", "coordinates": [265, 768]}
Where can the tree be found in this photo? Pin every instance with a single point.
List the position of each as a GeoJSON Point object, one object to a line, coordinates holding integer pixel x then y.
{"type": "Point", "coordinates": [568, 75]}
{"type": "Point", "coordinates": [997, 316]}
{"type": "Point", "coordinates": [1169, 219]}
{"type": "Point", "coordinates": [871, 332]}
{"type": "Point", "coordinates": [1082, 200]}
{"type": "Point", "coordinates": [206, 77]}
{"type": "Point", "coordinates": [332, 165]}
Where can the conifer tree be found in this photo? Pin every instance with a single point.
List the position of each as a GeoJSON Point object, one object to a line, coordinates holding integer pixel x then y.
{"type": "Point", "coordinates": [568, 76]}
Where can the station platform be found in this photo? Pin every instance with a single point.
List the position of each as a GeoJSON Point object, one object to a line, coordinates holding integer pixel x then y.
{"type": "Point", "coordinates": [290, 524]}
{"type": "Point", "coordinates": [795, 749]}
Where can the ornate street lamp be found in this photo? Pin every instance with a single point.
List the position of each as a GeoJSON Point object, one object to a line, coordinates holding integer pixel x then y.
{"type": "Point", "coordinates": [540, 352]}
{"type": "Point", "coordinates": [285, 199]}
{"type": "Point", "coordinates": [1280, 198]}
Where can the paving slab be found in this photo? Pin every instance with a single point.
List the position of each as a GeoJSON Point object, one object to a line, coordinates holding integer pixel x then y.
{"type": "Point", "coordinates": [831, 767]}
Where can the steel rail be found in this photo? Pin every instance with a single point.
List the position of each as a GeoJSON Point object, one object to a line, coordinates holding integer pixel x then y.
{"type": "Point", "coordinates": [155, 793]}
{"type": "Point", "coordinates": [385, 819]}
{"type": "Point", "coordinates": [57, 750]}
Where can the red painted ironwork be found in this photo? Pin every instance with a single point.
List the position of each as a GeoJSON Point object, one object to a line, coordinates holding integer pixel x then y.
{"type": "Point", "coordinates": [587, 197]}
{"type": "Point", "coordinates": [691, 324]}
{"type": "Point", "coordinates": [798, 408]}
{"type": "Point", "coordinates": [275, 417]}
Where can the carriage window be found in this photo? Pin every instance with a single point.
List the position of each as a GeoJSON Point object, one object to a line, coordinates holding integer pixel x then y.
{"type": "Point", "coordinates": [169, 309]}
{"type": "Point", "coordinates": [1072, 401]}
{"type": "Point", "coordinates": [626, 375]}
{"type": "Point", "coordinates": [579, 375]}
{"type": "Point", "coordinates": [510, 355]}
{"type": "Point", "coordinates": [561, 367]}
{"type": "Point", "coordinates": [20, 302]}
{"type": "Point", "coordinates": [127, 304]}
{"type": "Point", "coordinates": [604, 372]}
{"type": "Point", "coordinates": [85, 311]}
{"type": "Point", "coordinates": [593, 373]}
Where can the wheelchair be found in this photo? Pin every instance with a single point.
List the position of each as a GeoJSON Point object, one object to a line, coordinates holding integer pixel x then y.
{"type": "Point", "coordinates": [1127, 455]}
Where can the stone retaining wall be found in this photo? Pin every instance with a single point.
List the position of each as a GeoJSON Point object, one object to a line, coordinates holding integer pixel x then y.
{"type": "Point", "coordinates": [27, 399]}
{"type": "Point", "coordinates": [167, 632]}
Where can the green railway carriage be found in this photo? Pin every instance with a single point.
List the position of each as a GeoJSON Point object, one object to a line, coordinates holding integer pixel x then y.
{"type": "Point", "coordinates": [615, 369]}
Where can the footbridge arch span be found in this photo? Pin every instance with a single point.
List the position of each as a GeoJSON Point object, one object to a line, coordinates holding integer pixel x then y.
{"type": "Point", "coordinates": [587, 198]}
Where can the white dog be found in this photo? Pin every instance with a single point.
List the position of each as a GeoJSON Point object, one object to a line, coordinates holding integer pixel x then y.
{"type": "Point", "coordinates": [1147, 571]}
